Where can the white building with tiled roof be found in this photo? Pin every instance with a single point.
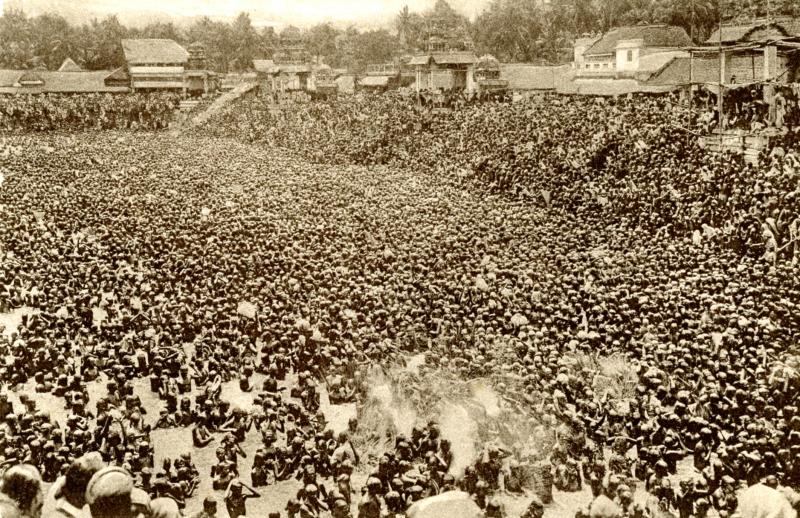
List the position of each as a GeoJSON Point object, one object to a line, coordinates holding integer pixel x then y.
{"type": "Point", "coordinates": [620, 53]}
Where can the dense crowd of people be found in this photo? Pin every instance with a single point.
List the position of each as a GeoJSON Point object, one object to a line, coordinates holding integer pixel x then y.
{"type": "Point", "coordinates": [69, 112]}
{"type": "Point", "coordinates": [197, 263]}
{"type": "Point", "coordinates": [633, 160]}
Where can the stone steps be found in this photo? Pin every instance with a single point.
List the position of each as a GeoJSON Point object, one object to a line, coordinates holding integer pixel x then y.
{"type": "Point", "coordinates": [220, 103]}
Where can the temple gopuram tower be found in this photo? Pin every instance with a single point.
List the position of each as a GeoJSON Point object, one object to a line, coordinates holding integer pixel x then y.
{"type": "Point", "coordinates": [197, 79]}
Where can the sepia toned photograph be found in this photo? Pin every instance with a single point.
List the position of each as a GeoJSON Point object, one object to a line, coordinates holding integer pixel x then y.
{"type": "Point", "coordinates": [400, 259]}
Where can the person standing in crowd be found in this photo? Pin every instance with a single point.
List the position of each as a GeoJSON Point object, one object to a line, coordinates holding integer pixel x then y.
{"type": "Point", "coordinates": [236, 499]}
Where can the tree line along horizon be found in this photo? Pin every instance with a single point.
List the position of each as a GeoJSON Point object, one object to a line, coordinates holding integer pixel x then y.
{"type": "Point", "coordinates": [535, 31]}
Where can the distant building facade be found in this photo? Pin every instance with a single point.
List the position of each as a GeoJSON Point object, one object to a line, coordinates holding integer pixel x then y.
{"type": "Point", "coordinates": [628, 52]}
{"type": "Point", "coordinates": [529, 78]}
{"type": "Point", "coordinates": [760, 31]}
{"type": "Point", "coordinates": [162, 64]}
{"type": "Point", "coordinates": [281, 76]}
{"type": "Point", "coordinates": [14, 82]}
{"type": "Point", "coordinates": [578, 48]}
{"type": "Point", "coordinates": [738, 55]}
{"type": "Point", "coordinates": [388, 76]}
{"type": "Point", "coordinates": [444, 65]}
{"type": "Point", "coordinates": [290, 66]}
{"type": "Point", "coordinates": [291, 48]}
{"type": "Point", "coordinates": [622, 60]}
{"type": "Point", "coordinates": [155, 64]}
{"type": "Point", "coordinates": [197, 78]}
{"type": "Point", "coordinates": [486, 74]}
{"type": "Point", "coordinates": [380, 77]}
{"type": "Point", "coordinates": [322, 80]}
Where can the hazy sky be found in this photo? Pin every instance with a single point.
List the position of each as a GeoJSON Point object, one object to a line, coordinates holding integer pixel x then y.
{"type": "Point", "coordinates": [263, 12]}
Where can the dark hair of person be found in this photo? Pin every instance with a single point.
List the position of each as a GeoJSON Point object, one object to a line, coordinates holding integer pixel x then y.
{"type": "Point", "coordinates": [22, 485]}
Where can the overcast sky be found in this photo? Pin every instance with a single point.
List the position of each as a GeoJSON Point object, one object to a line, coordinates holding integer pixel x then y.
{"type": "Point", "coordinates": [263, 12]}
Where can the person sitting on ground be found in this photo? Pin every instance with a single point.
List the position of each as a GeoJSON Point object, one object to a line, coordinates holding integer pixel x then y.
{"type": "Point", "coordinates": [164, 508]}
{"type": "Point", "coordinates": [209, 509]}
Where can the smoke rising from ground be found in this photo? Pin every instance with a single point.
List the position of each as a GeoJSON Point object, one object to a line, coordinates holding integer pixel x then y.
{"type": "Point", "coordinates": [467, 412]}
{"type": "Point", "coordinates": [458, 427]}
{"type": "Point", "coordinates": [402, 415]}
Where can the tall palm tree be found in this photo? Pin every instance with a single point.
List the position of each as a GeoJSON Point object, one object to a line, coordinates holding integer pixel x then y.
{"type": "Point", "coordinates": [609, 13]}
{"type": "Point", "coordinates": [644, 11]}
{"type": "Point", "coordinates": [402, 23]}
{"type": "Point", "coordinates": [698, 17]}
